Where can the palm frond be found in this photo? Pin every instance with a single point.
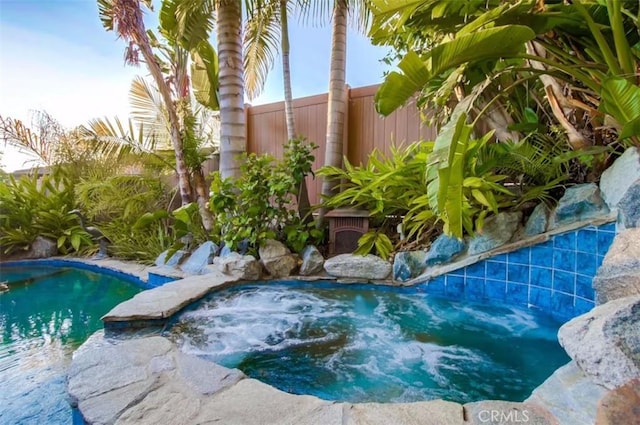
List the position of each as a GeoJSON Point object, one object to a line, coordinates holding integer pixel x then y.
{"type": "Point", "coordinates": [261, 43]}
{"type": "Point", "coordinates": [148, 110]}
{"type": "Point", "coordinates": [187, 22]}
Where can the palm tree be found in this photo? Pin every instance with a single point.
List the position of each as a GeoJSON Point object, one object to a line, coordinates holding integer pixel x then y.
{"type": "Point", "coordinates": [267, 28]}
{"type": "Point", "coordinates": [266, 22]}
{"type": "Point", "coordinates": [125, 18]}
{"type": "Point", "coordinates": [233, 139]}
{"type": "Point", "coordinates": [337, 85]}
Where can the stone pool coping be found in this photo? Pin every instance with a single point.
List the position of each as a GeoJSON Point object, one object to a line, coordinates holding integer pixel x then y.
{"type": "Point", "coordinates": [148, 380]}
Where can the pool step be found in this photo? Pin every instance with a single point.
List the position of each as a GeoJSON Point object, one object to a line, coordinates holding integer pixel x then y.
{"type": "Point", "coordinates": [569, 395]}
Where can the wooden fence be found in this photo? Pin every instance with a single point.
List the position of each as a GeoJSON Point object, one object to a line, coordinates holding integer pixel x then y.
{"type": "Point", "coordinates": [365, 129]}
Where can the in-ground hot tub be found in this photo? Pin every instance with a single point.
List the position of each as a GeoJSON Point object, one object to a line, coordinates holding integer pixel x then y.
{"type": "Point", "coordinates": [359, 343]}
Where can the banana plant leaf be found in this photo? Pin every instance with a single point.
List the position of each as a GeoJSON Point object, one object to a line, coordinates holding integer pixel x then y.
{"type": "Point", "coordinates": [493, 43]}
{"type": "Point", "coordinates": [621, 100]}
{"type": "Point", "coordinates": [204, 75]}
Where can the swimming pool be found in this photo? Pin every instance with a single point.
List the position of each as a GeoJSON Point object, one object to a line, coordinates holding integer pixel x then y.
{"type": "Point", "coordinates": [46, 313]}
{"type": "Point", "coordinates": [367, 344]}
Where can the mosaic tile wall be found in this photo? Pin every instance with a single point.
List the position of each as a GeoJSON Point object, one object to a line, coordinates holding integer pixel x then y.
{"type": "Point", "coordinates": [554, 276]}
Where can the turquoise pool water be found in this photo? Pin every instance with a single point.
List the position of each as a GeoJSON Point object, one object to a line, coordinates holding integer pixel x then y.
{"type": "Point", "coordinates": [44, 316]}
{"type": "Point", "coordinates": [359, 345]}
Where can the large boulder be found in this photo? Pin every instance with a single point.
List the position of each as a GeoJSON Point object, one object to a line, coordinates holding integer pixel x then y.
{"type": "Point", "coordinates": [312, 261]}
{"type": "Point", "coordinates": [408, 264]}
{"type": "Point", "coordinates": [605, 342]}
{"type": "Point", "coordinates": [619, 275]}
{"type": "Point", "coordinates": [242, 267]}
{"type": "Point", "coordinates": [580, 202]}
{"type": "Point", "coordinates": [620, 406]}
{"type": "Point", "coordinates": [368, 267]}
{"type": "Point", "coordinates": [617, 179]}
{"type": "Point", "coordinates": [277, 258]}
{"type": "Point", "coordinates": [42, 247]}
{"type": "Point", "coordinates": [538, 220]}
{"type": "Point", "coordinates": [443, 249]}
{"type": "Point", "coordinates": [173, 261]}
{"type": "Point", "coordinates": [201, 257]}
{"type": "Point", "coordinates": [282, 266]}
{"type": "Point", "coordinates": [629, 207]}
{"type": "Point", "coordinates": [497, 231]}
{"type": "Point", "coordinates": [272, 249]}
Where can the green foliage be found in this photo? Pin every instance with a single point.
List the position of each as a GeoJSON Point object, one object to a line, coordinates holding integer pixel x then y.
{"type": "Point", "coordinates": [30, 207]}
{"type": "Point", "coordinates": [260, 204]}
{"type": "Point", "coordinates": [388, 188]}
{"type": "Point", "coordinates": [121, 207]}
{"type": "Point", "coordinates": [374, 240]}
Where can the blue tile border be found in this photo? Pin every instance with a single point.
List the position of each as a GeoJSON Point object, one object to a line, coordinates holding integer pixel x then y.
{"type": "Point", "coordinates": [554, 276]}
{"type": "Point", "coordinates": [79, 265]}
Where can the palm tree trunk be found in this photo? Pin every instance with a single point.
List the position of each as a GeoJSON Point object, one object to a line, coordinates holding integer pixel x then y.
{"type": "Point", "coordinates": [337, 88]}
{"type": "Point", "coordinates": [202, 197]}
{"type": "Point", "coordinates": [286, 71]}
{"type": "Point", "coordinates": [232, 119]}
{"type": "Point", "coordinates": [142, 41]}
{"type": "Point", "coordinates": [302, 193]}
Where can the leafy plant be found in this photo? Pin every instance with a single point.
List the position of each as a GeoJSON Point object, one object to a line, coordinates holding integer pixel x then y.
{"type": "Point", "coordinates": [388, 188]}
{"type": "Point", "coordinates": [260, 204]}
{"type": "Point", "coordinates": [33, 206]}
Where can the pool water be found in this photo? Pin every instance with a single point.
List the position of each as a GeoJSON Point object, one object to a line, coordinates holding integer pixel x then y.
{"type": "Point", "coordinates": [44, 316]}
{"type": "Point", "coordinates": [356, 344]}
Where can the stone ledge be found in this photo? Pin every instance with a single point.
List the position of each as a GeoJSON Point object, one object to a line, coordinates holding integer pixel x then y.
{"type": "Point", "coordinates": [149, 381]}
{"type": "Point", "coordinates": [164, 301]}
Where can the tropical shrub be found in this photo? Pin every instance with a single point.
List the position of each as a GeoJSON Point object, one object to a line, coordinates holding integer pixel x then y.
{"type": "Point", "coordinates": [31, 206]}
{"type": "Point", "coordinates": [261, 203]}
{"type": "Point", "coordinates": [387, 188]}
{"type": "Point", "coordinates": [118, 206]}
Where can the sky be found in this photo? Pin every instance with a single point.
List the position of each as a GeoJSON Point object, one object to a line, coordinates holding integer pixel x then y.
{"type": "Point", "coordinates": [56, 56]}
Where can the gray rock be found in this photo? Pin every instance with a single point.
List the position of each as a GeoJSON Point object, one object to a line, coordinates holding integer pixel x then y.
{"type": "Point", "coordinates": [243, 267]}
{"type": "Point", "coordinates": [312, 261]}
{"type": "Point", "coordinates": [443, 249]}
{"type": "Point", "coordinates": [538, 221]}
{"type": "Point", "coordinates": [197, 262]}
{"type": "Point", "coordinates": [619, 275]}
{"type": "Point", "coordinates": [250, 402]}
{"type": "Point", "coordinates": [580, 202]}
{"type": "Point", "coordinates": [369, 267]}
{"type": "Point", "coordinates": [42, 247]}
{"type": "Point", "coordinates": [225, 251]}
{"type": "Point", "coordinates": [272, 249]}
{"type": "Point", "coordinates": [282, 266]}
{"type": "Point", "coordinates": [629, 207]}
{"type": "Point", "coordinates": [569, 395]}
{"type": "Point", "coordinates": [103, 395]}
{"type": "Point", "coordinates": [163, 301]}
{"type": "Point", "coordinates": [605, 343]}
{"type": "Point", "coordinates": [205, 377]}
{"type": "Point", "coordinates": [408, 264]}
{"type": "Point", "coordinates": [435, 412]}
{"type": "Point", "coordinates": [507, 413]}
{"type": "Point", "coordinates": [497, 231]}
{"type": "Point", "coordinates": [170, 403]}
{"type": "Point", "coordinates": [173, 262]}
{"type": "Point", "coordinates": [617, 179]}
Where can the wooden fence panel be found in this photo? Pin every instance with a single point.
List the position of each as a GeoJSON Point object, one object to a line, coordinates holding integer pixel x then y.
{"type": "Point", "coordinates": [365, 128]}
